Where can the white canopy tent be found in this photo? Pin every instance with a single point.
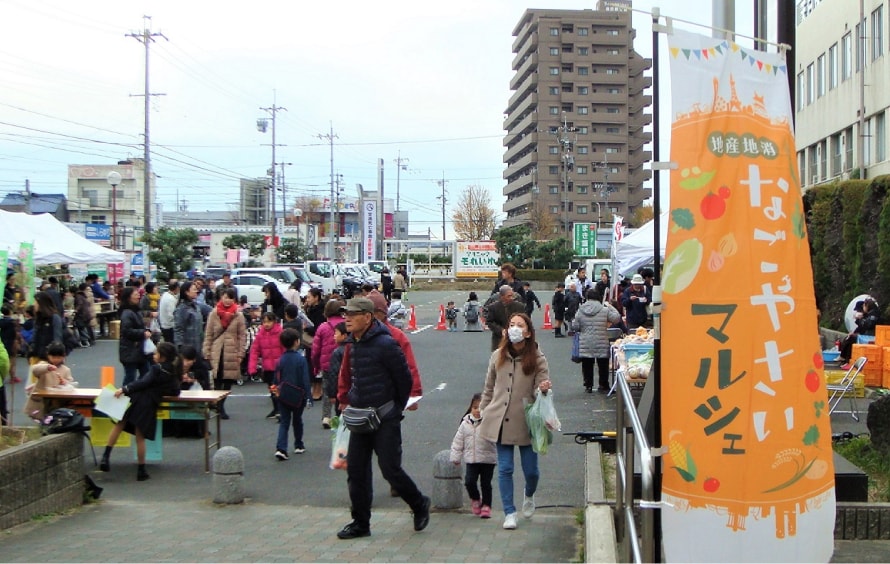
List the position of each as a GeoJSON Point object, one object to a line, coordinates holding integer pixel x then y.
{"type": "Point", "coordinates": [53, 242]}
{"type": "Point", "coordinates": [638, 248]}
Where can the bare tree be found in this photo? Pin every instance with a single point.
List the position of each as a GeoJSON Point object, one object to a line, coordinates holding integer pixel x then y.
{"type": "Point", "coordinates": [540, 220]}
{"type": "Point", "coordinates": [474, 218]}
{"type": "Point", "coordinates": [311, 206]}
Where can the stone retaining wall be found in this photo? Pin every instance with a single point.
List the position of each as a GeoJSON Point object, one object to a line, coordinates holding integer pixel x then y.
{"type": "Point", "coordinates": [862, 521]}
{"type": "Point", "coordinates": [41, 477]}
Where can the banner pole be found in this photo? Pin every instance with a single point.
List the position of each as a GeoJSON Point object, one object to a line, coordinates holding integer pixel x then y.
{"type": "Point", "coordinates": [655, 439]}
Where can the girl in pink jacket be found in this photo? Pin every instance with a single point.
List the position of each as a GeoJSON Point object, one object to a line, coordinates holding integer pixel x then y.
{"type": "Point", "coordinates": [267, 346]}
{"type": "Point", "coordinates": [480, 456]}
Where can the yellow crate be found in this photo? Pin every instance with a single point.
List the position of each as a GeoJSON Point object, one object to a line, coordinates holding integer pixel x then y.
{"type": "Point", "coordinates": [835, 376]}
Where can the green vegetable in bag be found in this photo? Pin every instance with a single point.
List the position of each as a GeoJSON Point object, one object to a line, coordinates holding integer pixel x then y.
{"type": "Point", "coordinates": [539, 417]}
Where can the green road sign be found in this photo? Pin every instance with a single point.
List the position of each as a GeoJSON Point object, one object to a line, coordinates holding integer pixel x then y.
{"type": "Point", "coordinates": [585, 239]}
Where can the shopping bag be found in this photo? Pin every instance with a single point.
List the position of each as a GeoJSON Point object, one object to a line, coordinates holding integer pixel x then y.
{"type": "Point", "coordinates": [149, 347]}
{"type": "Point", "coordinates": [576, 347]}
{"type": "Point", "coordinates": [542, 421]}
{"type": "Point", "coordinates": [340, 444]}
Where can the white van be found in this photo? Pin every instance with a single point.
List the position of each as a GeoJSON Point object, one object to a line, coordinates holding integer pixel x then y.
{"type": "Point", "coordinates": [282, 274]}
{"type": "Point", "coordinates": [325, 273]}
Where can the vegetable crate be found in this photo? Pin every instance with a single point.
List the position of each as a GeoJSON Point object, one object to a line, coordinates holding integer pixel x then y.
{"type": "Point", "coordinates": [882, 335]}
{"type": "Point", "coordinates": [873, 371]}
{"type": "Point", "coordinates": [835, 376]}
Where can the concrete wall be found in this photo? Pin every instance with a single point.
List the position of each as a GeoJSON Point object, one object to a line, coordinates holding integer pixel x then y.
{"type": "Point", "coordinates": [862, 521]}
{"type": "Point", "coordinates": [41, 477]}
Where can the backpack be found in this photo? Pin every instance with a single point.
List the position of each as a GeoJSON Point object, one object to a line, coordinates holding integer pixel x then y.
{"type": "Point", "coordinates": [63, 420]}
{"type": "Point", "coordinates": [451, 313]}
{"type": "Point", "coordinates": [472, 314]}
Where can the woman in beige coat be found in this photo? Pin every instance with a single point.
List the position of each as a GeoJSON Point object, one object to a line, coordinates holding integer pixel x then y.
{"type": "Point", "coordinates": [224, 341]}
{"type": "Point", "coordinates": [516, 370]}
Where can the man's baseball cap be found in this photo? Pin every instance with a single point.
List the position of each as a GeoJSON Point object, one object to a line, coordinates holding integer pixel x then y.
{"type": "Point", "coordinates": [358, 305]}
{"type": "Point", "coordinates": [379, 301]}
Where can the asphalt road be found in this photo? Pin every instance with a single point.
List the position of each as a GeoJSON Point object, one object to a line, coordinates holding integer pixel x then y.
{"type": "Point", "coordinates": [452, 367]}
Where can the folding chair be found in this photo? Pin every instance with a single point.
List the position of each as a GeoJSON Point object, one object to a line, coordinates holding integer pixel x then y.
{"type": "Point", "coordinates": [844, 386]}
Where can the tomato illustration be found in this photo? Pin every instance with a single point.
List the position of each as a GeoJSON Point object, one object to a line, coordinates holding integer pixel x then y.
{"type": "Point", "coordinates": [713, 206]}
{"type": "Point", "coordinates": [711, 485]}
{"type": "Point", "coordinates": [811, 381]}
{"type": "Point", "coordinates": [818, 360]}
{"type": "Point", "coordinates": [724, 191]}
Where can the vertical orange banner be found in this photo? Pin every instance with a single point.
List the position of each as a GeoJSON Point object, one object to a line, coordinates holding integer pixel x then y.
{"type": "Point", "coordinates": [749, 473]}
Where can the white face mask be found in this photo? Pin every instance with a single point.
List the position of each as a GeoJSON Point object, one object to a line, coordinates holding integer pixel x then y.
{"type": "Point", "coordinates": [515, 334]}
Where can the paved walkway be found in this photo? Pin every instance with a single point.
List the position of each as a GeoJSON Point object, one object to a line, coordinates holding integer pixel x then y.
{"type": "Point", "coordinates": [128, 531]}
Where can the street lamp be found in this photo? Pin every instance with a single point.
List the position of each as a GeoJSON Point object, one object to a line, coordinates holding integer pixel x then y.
{"type": "Point", "coordinates": [113, 178]}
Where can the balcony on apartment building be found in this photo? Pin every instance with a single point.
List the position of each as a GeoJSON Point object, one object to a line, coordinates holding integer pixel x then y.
{"type": "Point", "coordinates": [517, 123]}
{"type": "Point", "coordinates": [521, 145]}
{"type": "Point", "coordinates": [528, 87]}
{"type": "Point", "coordinates": [530, 65]}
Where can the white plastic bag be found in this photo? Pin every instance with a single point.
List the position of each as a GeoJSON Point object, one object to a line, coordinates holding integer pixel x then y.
{"type": "Point", "coordinates": [340, 444]}
{"type": "Point", "coordinates": [148, 346]}
{"type": "Point", "coordinates": [542, 421]}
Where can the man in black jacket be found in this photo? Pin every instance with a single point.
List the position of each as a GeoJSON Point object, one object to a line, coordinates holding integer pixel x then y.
{"type": "Point", "coordinates": [375, 374]}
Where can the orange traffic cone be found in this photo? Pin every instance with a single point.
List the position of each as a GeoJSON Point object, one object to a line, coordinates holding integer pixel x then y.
{"type": "Point", "coordinates": [441, 325]}
{"type": "Point", "coordinates": [412, 322]}
{"type": "Point", "coordinates": [547, 323]}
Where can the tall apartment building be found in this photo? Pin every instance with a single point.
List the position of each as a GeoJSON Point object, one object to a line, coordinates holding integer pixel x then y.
{"type": "Point", "coordinates": [842, 73]}
{"type": "Point", "coordinates": [575, 138]}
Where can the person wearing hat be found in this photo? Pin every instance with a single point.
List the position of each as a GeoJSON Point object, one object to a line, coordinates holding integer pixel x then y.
{"type": "Point", "coordinates": [635, 301]}
{"type": "Point", "coordinates": [375, 374]}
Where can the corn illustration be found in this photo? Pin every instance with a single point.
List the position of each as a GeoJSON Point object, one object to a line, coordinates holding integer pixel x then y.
{"type": "Point", "coordinates": [683, 462]}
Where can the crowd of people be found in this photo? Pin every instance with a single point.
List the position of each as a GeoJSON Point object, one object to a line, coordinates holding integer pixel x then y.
{"type": "Point", "coordinates": [341, 353]}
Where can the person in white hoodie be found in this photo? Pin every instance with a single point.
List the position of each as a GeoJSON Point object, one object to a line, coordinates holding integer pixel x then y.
{"type": "Point", "coordinates": [166, 307]}
{"type": "Point", "coordinates": [480, 456]}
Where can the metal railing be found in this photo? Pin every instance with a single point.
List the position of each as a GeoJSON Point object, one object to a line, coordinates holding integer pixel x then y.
{"type": "Point", "coordinates": [630, 440]}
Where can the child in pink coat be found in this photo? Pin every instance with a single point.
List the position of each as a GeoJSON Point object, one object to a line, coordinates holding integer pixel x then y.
{"type": "Point", "coordinates": [267, 348]}
{"type": "Point", "coordinates": [479, 455]}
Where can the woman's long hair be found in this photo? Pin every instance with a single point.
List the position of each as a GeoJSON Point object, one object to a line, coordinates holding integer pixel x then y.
{"type": "Point", "coordinates": [275, 297]}
{"type": "Point", "coordinates": [46, 307]}
{"type": "Point", "coordinates": [528, 354]}
{"type": "Point", "coordinates": [184, 292]}
{"type": "Point", "coordinates": [126, 293]}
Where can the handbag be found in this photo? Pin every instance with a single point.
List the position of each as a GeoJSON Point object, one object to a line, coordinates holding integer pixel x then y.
{"type": "Point", "coordinates": [363, 420]}
{"type": "Point", "coordinates": [576, 347]}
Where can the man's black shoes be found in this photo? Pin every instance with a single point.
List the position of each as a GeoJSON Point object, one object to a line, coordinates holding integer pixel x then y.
{"type": "Point", "coordinates": [422, 515]}
{"type": "Point", "coordinates": [353, 531]}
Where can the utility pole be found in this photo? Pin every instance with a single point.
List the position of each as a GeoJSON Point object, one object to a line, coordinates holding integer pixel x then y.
{"type": "Point", "coordinates": [28, 196]}
{"type": "Point", "coordinates": [261, 125]}
{"type": "Point", "coordinates": [568, 161]}
{"type": "Point", "coordinates": [146, 37]}
{"type": "Point", "coordinates": [604, 189]}
{"type": "Point", "coordinates": [284, 190]}
{"type": "Point", "coordinates": [330, 136]}
{"type": "Point", "coordinates": [401, 164]}
{"type": "Point", "coordinates": [339, 180]}
{"type": "Point", "coordinates": [442, 184]}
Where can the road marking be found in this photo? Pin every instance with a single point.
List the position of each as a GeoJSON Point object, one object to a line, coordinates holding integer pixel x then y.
{"type": "Point", "coordinates": [440, 387]}
{"type": "Point", "coordinates": [418, 330]}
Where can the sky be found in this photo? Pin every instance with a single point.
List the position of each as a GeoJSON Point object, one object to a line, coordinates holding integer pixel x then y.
{"type": "Point", "coordinates": [427, 82]}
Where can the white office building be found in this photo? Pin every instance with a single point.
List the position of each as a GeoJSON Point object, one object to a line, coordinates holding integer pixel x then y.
{"type": "Point", "coordinates": [842, 94]}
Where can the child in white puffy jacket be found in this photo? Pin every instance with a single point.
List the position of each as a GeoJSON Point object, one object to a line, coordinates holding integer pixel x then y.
{"type": "Point", "coordinates": [480, 456]}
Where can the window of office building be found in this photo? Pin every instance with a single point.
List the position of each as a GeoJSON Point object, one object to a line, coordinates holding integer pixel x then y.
{"type": "Point", "coordinates": [554, 90]}
{"type": "Point", "coordinates": [802, 164]}
{"type": "Point", "coordinates": [848, 162]}
{"type": "Point", "coordinates": [583, 90]}
{"type": "Point", "coordinates": [583, 71]}
{"type": "Point", "coordinates": [866, 142]}
{"type": "Point", "coordinates": [554, 51]}
{"type": "Point", "coordinates": [583, 50]}
{"type": "Point", "coordinates": [877, 33]}
{"type": "Point", "coordinates": [820, 76]}
{"type": "Point", "coordinates": [553, 150]}
{"type": "Point", "coordinates": [860, 45]}
{"type": "Point", "coordinates": [554, 110]}
{"type": "Point", "coordinates": [583, 31]}
{"type": "Point", "coordinates": [811, 86]}
{"type": "Point", "coordinates": [880, 138]}
{"type": "Point", "coordinates": [823, 160]}
{"type": "Point", "coordinates": [813, 168]}
{"type": "Point", "coordinates": [846, 57]}
{"type": "Point", "coordinates": [832, 67]}
{"type": "Point", "coordinates": [553, 169]}
{"type": "Point", "coordinates": [836, 152]}
{"type": "Point", "coordinates": [554, 31]}
{"type": "Point", "coordinates": [582, 210]}
{"type": "Point", "coordinates": [553, 189]}
{"type": "Point", "coordinates": [613, 71]}
{"type": "Point", "coordinates": [554, 71]}
{"type": "Point", "coordinates": [583, 110]}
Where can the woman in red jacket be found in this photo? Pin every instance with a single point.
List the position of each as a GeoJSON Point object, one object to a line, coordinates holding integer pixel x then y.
{"type": "Point", "coordinates": [323, 346]}
{"type": "Point", "coordinates": [267, 346]}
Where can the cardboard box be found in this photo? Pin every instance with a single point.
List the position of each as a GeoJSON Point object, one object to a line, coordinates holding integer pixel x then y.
{"type": "Point", "coordinates": [114, 328]}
